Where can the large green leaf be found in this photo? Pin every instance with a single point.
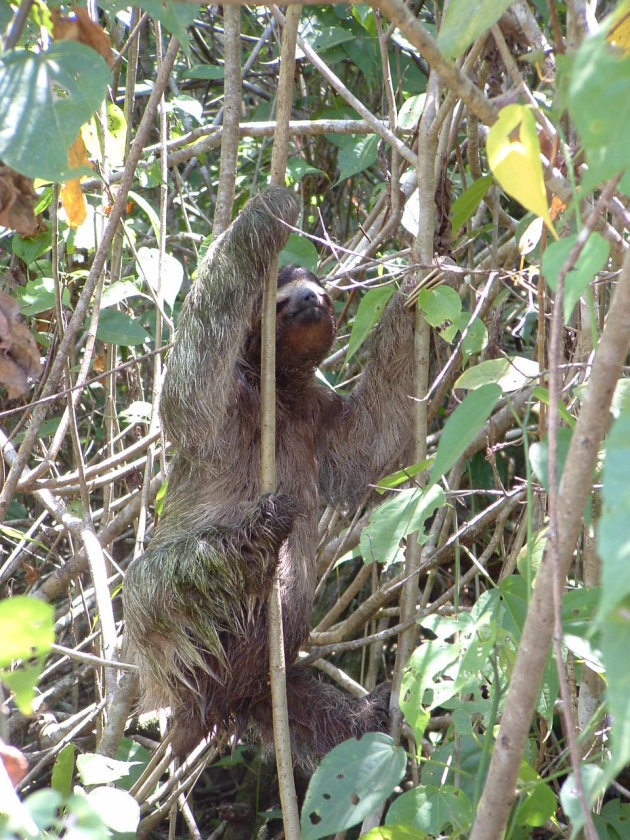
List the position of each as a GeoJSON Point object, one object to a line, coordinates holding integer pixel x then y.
{"type": "Point", "coordinates": [465, 20]}
{"type": "Point", "coordinates": [116, 327]}
{"type": "Point", "coordinates": [357, 155]}
{"type": "Point", "coordinates": [46, 97]}
{"type": "Point", "coordinates": [592, 259]}
{"type": "Point", "coordinates": [403, 514]}
{"type": "Point", "coordinates": [442, 308]}
{"type": "Point", "coordinates": [353, 779]}
{"type": "Point", "coordinates": [462, 427]}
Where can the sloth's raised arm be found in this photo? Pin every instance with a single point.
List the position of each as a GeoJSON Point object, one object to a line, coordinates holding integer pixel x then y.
{"type": "Point", "coordinates": [216, 315]}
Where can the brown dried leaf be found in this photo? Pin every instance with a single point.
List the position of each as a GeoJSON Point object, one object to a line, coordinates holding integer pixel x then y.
{"type": "Point", "coordinates": [19, 355]}
{"type": "Point", "coordinates": [15, 762]}
{"type": "Point", "coordinates": [80, 27]}
{"type": "Point", "coordinates": [12, 377]}
{"type": "Point", "coordinates": [17, 200]}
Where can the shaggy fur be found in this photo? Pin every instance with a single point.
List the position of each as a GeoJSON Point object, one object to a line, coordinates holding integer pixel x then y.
{"type": "Point", "coordinates": [195, 602]}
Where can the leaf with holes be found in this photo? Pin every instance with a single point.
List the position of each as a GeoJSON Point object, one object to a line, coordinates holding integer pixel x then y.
{"type": "Point", "coordinates": [46, 98]}
{"type": "Point", "coordinates": [353, 779]}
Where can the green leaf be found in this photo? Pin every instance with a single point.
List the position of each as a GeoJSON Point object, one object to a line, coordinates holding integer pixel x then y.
{"type": "Point", "coordinates": [46, 98]}
{"type": "Point", "coordinates": [116, 327]}
{"type": "Point", "coordinates": [116, 808]}
{"type": "Point", "coordinates": [353, 779]}
{"type": "Point", "coordinates": [403, 514]}
{"type": "Point", "coordinates": [462, 23]}
{"type": "Point", "coordinates": [597, 87]}
{"type": "Point", "coordinates": [411, 111]}
{"type": "Point", "coordinates": [442, 308]}
{"type": "Point", "coordinates": [433, 809]}
{"type": "Point", "coordinates": [370, 307]}
{"type": "Point", "coordinates": [542, 394]}
{"type": "Point", "coordinates": [95, 769]}
{"type": "Point", "coordinates": [118, 291]}
{"type": "Point", "coordinates": [62, 771]}
{"type": "Point", "coordinates": [395, 832]}
{"type": "Point", "coordinates": [42, 806]}
{"type": "Point", "coordinates": [328, 37]}
{"type": "Point", "coordinates": [592, 260]}
{"type": "Point", "coordinates": [468, 202]}
{"type": "Point", "coordinates": [593, 782]}
{"type": "Point", "coordinates": [148, 260]}
{"type": "Point", "coordinates": [137, 758]}
{"type": "Point", "coordinates": [138, 412]}
{"type": "Point", "coordinates": [150, 213]}
{"type": "Point", "coordinates": [539, 806]}
{"type": "Point", "coordinates": [31, 248]}
{"type": "Point", "coordinates": [476, 339]}
{"type": "Point", "coordinates": [539, 457]}
{"type": "Point", "coordinates": [297, 168]}
{"type": "Point", "coordinates": [174, 17]}
{"type": "Point", "coordinates": [463, 426]}
{"type": "Point", "coordinates": [39, 296]}
{"type": "Point", "coordinates": [614, 815]}
{"type": "Point", "coordinates": [614, 550]}
{"type": "Point", "coordinates": [26, 628]}
{"type": "Point", "coordinates": [22, 682]}
{"type": "Point", "coordinates": [207, 72]}
{"type": "Point", "coordinates": [299, 251]}
{"type": "Point", "coordinates": [356, 156]}
{"type": "Point", "coordinates": [509, 374]}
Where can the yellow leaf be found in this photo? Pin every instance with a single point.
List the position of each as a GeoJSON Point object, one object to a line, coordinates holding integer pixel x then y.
{"type": "Point", "coordinates": [72, 197]}
{"type": "Point", "coordinates": [514, 159]}
{"type": "Point", "coordinates": [619, 34]}
{"type": "Point", "coordinates": [73, 203]}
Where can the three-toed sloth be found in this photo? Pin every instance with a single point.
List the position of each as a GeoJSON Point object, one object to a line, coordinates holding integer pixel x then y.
{"type": "Point", "coordinates": [196, 601]}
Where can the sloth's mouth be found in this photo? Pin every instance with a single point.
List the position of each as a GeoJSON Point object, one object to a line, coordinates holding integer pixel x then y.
{"type": "Point", "coordinates": [310, 309]}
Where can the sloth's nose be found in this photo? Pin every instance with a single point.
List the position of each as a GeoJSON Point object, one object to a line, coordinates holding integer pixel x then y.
{"type": "Point", "coordinates": [307, 297]}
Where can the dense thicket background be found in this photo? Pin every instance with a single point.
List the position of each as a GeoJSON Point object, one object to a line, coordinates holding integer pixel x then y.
{"type": "Point", "coordinates": [512, 119]}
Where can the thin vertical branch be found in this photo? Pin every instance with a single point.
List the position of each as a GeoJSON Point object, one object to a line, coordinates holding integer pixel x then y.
{"type": "Point", "coordinates": [277, 665]}
{"type": "Point", "coordinates": [231, 118]}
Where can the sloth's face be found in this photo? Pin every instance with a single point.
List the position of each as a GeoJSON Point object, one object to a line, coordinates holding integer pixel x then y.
{"type": "Point", "coordinates": [305, 322]}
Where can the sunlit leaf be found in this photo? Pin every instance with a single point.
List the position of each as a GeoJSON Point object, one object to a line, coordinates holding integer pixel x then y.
{"type": "Point", "coordinates": [26, 628]}
{"type": "Point", "coordinates": [462, 23]}
{"type": "Point", "coordinates": [514, 158]}
{"type": "Point", "coordinates": [433, 809]}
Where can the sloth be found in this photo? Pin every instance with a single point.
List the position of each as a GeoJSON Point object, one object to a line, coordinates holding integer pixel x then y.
{"type": "Point", "coordinates": [195, 602]}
